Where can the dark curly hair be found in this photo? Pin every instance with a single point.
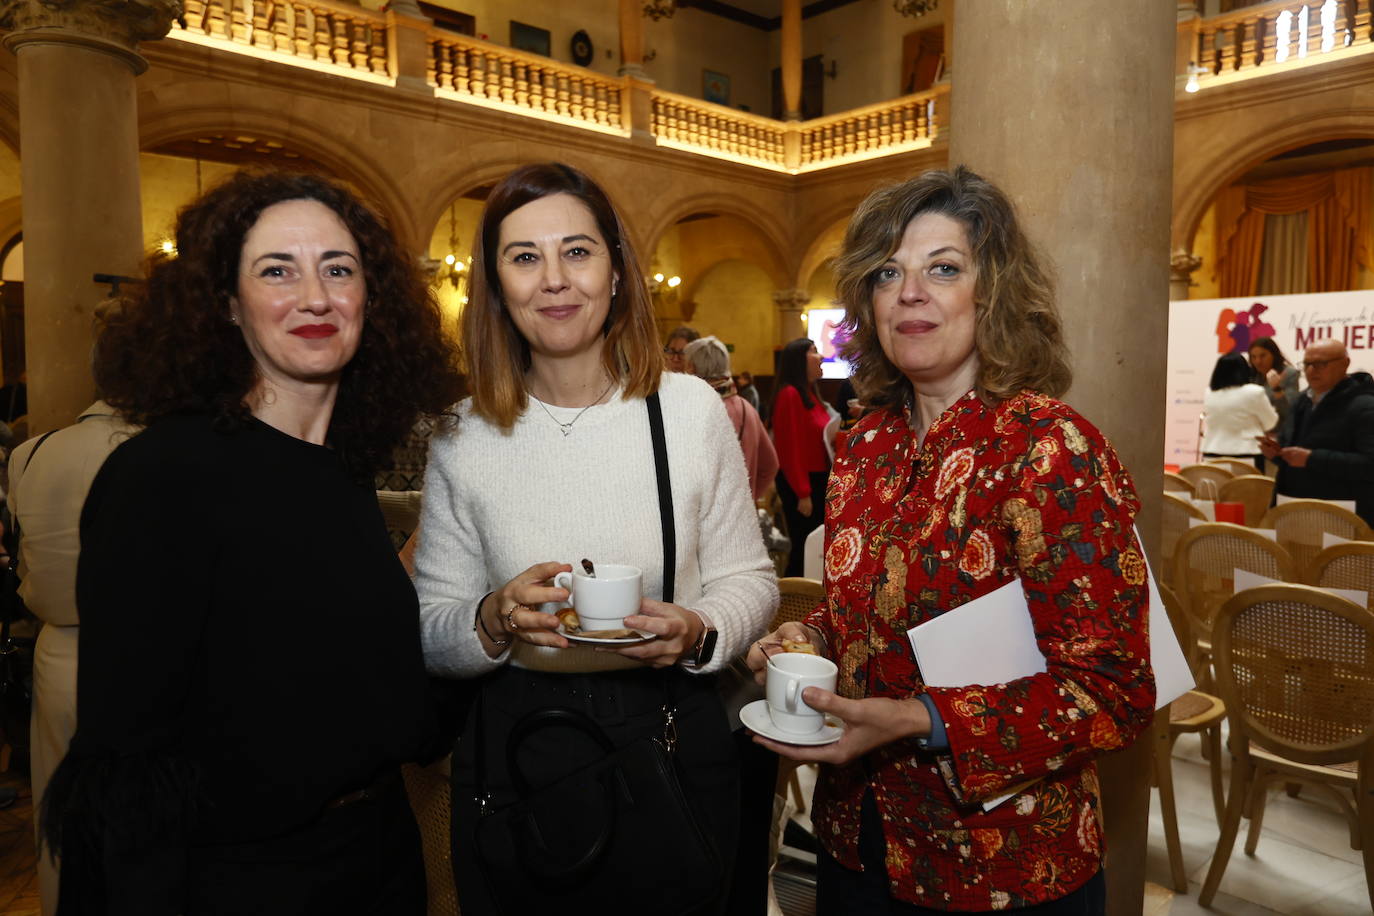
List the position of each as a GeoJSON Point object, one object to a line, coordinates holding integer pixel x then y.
{"type": "Point", "coordinates": [171, 349]}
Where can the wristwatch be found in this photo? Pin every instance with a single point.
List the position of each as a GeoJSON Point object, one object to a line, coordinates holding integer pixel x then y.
{"type": "Point", "coordinates": [705, 649]}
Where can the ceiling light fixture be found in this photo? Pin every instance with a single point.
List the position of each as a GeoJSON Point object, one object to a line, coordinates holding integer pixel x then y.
{"type": "Point", "coordinates": [915, 8]}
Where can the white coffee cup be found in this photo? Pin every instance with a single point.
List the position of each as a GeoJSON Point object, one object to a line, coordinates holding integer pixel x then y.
{"type": "Point", "coordinates": [604, 601]}
{"type": "Point", "coordinates": [789, 673]}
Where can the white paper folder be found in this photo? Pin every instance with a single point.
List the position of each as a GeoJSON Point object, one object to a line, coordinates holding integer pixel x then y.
{"type": "Point", "coordinates": [990, 640]}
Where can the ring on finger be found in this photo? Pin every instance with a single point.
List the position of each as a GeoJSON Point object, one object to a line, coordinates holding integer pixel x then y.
{"type": "Point", "coordinates": [510, 617]}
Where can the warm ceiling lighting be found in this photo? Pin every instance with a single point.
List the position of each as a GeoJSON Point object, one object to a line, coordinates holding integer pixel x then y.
{"type": "Point", "coordinates": [673, 282]}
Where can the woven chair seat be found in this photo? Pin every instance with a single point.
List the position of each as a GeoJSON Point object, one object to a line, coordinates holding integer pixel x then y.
{"type": "Point", "coordinates": [1192, 705]}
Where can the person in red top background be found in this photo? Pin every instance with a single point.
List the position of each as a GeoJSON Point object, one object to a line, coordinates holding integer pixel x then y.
{"type": "Point", "coordinates": [799, 418]}
{"type": "Point", "coordinates": [967, 475]}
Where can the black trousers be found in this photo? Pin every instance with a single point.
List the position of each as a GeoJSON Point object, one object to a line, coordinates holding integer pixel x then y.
{"type": "Point", "coordinates": [798, 525]}
{"type": "Point", "coordinates": [841, 892]}
{"type": "Point", "coordinates": [361, 859]}
{"type": "Point", "coordinates": [627, 705]}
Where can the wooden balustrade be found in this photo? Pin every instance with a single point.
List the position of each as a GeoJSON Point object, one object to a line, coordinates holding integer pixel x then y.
{"type": "Point", "coordinates": [335, 34]}
{"type": "Point", "coordinates": [490, 74]}
{"type": "Point", "coordinates": [888, 127]}
{"type": "Point", "coordinates": [1274, 33]}
{"type": "Point", "coordinates": [703, 127]}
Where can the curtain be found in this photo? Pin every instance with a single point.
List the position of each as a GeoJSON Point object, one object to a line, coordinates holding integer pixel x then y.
{"type": "Point", "coordinates": [1284, 264]}
{"type": "Point", "coordinates": [1337, 214]}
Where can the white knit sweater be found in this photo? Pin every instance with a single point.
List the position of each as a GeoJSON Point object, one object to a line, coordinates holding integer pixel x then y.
{"type": "Point", "coordinates": [497, 503]}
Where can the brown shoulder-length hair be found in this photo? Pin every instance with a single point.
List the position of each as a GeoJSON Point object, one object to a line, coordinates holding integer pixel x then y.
{"type": "Point", "coordinates": [496, 355]}
{"type": "Point", "coordinates": [1017, 331]}
{"type": "Point", "coordinates": [171, 348]}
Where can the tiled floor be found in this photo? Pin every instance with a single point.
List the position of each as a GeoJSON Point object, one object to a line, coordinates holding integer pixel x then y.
{"type": "Point", "coordinates": [1304, 865]}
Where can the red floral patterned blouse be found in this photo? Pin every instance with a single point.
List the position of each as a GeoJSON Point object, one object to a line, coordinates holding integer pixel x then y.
{"type": "Point", "coordinates": [1027, 488]}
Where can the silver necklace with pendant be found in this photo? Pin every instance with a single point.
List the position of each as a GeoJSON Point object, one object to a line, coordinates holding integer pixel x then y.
{"type": "Point", "coordinates": [566, 428]}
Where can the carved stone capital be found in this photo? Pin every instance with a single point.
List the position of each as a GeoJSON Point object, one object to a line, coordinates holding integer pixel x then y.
{"type": "Point", "coordinates": [113, 25]}
{"type": "Point", "coordinates": [1182, 264]}
{"type": "Point", "coordinates": [793, 299]}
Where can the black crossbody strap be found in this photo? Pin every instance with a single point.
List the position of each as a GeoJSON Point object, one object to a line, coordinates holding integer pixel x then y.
{"type": "Point", "coordinates": [665, 495]}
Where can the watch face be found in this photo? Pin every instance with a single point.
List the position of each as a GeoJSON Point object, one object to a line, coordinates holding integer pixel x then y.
{"type": "Point", "coordinates": [708, 648]}
{"type": "Point", "coordinates": [581, 49]}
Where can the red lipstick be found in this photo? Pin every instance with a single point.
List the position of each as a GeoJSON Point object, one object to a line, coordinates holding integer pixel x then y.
{"type": "Point", "coordinates": [315, 331]}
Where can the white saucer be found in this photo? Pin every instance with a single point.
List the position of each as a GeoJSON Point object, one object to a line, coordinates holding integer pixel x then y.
{"type": "Point", "coordinates": [755, 717]}
{"type": "Point", "coordinates": [643, 637]}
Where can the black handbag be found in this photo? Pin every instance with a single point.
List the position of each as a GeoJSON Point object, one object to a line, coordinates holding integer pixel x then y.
{"type": "Point", "coordinates": [583, 842]}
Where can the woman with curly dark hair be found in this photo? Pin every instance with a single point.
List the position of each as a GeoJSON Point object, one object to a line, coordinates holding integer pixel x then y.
{"type": "Point", "coordinates": [251, 676]}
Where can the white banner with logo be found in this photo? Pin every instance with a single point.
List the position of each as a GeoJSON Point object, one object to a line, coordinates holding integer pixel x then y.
{"type": "Point", "coordinates": [1200, 330]}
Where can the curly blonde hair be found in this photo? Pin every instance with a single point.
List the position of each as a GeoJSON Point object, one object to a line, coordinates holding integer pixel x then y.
{"type": "Point", "coordinates": [1017, 330]}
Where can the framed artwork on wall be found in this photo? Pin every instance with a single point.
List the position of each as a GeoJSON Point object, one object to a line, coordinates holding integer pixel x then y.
{"type": "Point", "coordinates": [529, 38]}
{"type": "Point", "coordinates": [715, 87]}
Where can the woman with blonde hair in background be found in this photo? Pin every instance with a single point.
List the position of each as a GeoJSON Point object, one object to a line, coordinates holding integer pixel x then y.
{"type": "Point", "coordinates": [708, 360]}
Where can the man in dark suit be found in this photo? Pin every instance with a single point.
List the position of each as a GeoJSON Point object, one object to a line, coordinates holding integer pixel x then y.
{"type": "Point", "coordinates": [1325, 447]}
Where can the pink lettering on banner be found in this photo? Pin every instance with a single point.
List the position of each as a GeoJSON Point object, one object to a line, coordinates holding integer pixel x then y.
{"type": "Point", "coordinates": [1359, 337]}
{"type": "Point", "coordinates": [1306, 337]}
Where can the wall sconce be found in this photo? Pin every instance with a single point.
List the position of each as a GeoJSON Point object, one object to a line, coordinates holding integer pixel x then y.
{"type": "Point", "coordinates": [830, 70]}
{"type": "Point", "coordinates": [1193, 71]}
{"type": "Point", "coordinates": [168, 247]}
{"type": "Point", "coordinates": [660, 9]}
{"type": "Point", "coordinates": [454, 268]}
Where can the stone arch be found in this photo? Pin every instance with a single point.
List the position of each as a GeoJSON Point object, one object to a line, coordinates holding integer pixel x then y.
{"type": "Point", "coordinates": [823, 246]}
{"type": "Point", "coordinates": [1203, 180]}
{"type": "Point", "coordinates": [774, 236]}
{"type": "Point", "coordinates": [340, 156]}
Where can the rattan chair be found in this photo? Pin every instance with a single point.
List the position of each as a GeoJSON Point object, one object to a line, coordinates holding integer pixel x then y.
{"type": "Point", "coordinates": [1175, 512]}
{"type": "Point", "coordinates": [401, 511]}
{"type": "Point", "coordinates": [798, 597]}
{"type": "Point", "coordinates": [1295, 666]}
{"type": "Point", "coordinates": [1205, 562]}
{"type": "Point", "coordinates": [1176, 483]}
{"type": "Point", "coordinates": [1345, 566]}
{"type": "Point", "coordinates": [1194, 712]}
{"type": "Point", "coordinates": [1195, 474]}
{"type": "Point", "coordinates": [1238, 466]}
{"type": "Point", "coordinates": [1253, 491]}
{"type": "Point", "coordinates": [1300, 523]}
{"type": "Point", "coordinates": [431, 800]}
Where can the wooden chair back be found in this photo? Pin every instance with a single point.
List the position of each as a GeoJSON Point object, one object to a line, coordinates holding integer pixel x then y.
{"type": "Point", "coordinates": [1345, 566]}
{"type": "Point", "coordinates": [799, 597]}
{"type": "Point", "coordinates": [1174, 515]}
{"type": "Point", "coordinates": [1177, 483]}
{"type": "Point", "coordinates": [1197, 473]}
{"type": "Point", "coordinates": [1295, 666]}
{"type": "Point", "coordinates": [401, 511]}
{"type": "Point", "coordinates": [1205, 562]}
{"type": "Point", "coordinates": [1238, 466]}
{"type": "Point", "coordinates": [1254, 491]}
{"type": "Point", "coordinates": [1300, 523]}
{"type": "Point", "coordinates": [1183, 630]}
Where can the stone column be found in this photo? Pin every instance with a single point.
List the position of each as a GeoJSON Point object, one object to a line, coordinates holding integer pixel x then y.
{"type": "Point", "coordinates": [78, 128]}
{"type": "Point", "coordinates": [1077, 127]}
{"type": "Point", "coordinates": [1181, 267]}
{"type": "Point", "coordinates": [408, 49]}
{"type": "Point", "coordinates": [791, 303]}
{"type": "Point", "coordinates": [791, 59]}
{"type": "Point", "coordinates": [632, 38]}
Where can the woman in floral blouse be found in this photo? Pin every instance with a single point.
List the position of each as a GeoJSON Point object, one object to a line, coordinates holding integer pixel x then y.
{"type": "Point", "coordinates": [969, 474]}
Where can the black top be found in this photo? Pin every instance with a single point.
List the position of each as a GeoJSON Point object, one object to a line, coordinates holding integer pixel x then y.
{"type": "Point", "coordinates": [1339, 430]}
{"type": "Point", "coordinates": [243, 617]}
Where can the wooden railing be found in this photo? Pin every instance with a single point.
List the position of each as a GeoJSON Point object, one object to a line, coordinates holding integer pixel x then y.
{"type": "Point", "coordinates": [691, 124]}
{"type": "Point", "coordinates": [343, 38]}
{"type": "Point", "coordinates": [885, 128]}
{"type": "Point", "coordinates": [478, 71]}
{"type": "Point", "coordinates": [326, 33]}
{"type": "Point", "coordinates": [1273, 33]}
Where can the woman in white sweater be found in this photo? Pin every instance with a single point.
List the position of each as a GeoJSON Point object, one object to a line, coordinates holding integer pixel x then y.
{"type": "Point", "coordinates": [551, 461]}
{"type": "Point", "coordinates": [1238, 412]}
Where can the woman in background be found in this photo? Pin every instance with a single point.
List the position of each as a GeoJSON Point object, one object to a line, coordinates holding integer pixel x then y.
{"type": "Point", "coordinates": [799, 421]}
{"type": "Point", "coordinates": [709, 361]}
{"type": "Point", "coordinates": [1273, 371]}
{"type": "Point", "coordinates": [1238, 412]}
